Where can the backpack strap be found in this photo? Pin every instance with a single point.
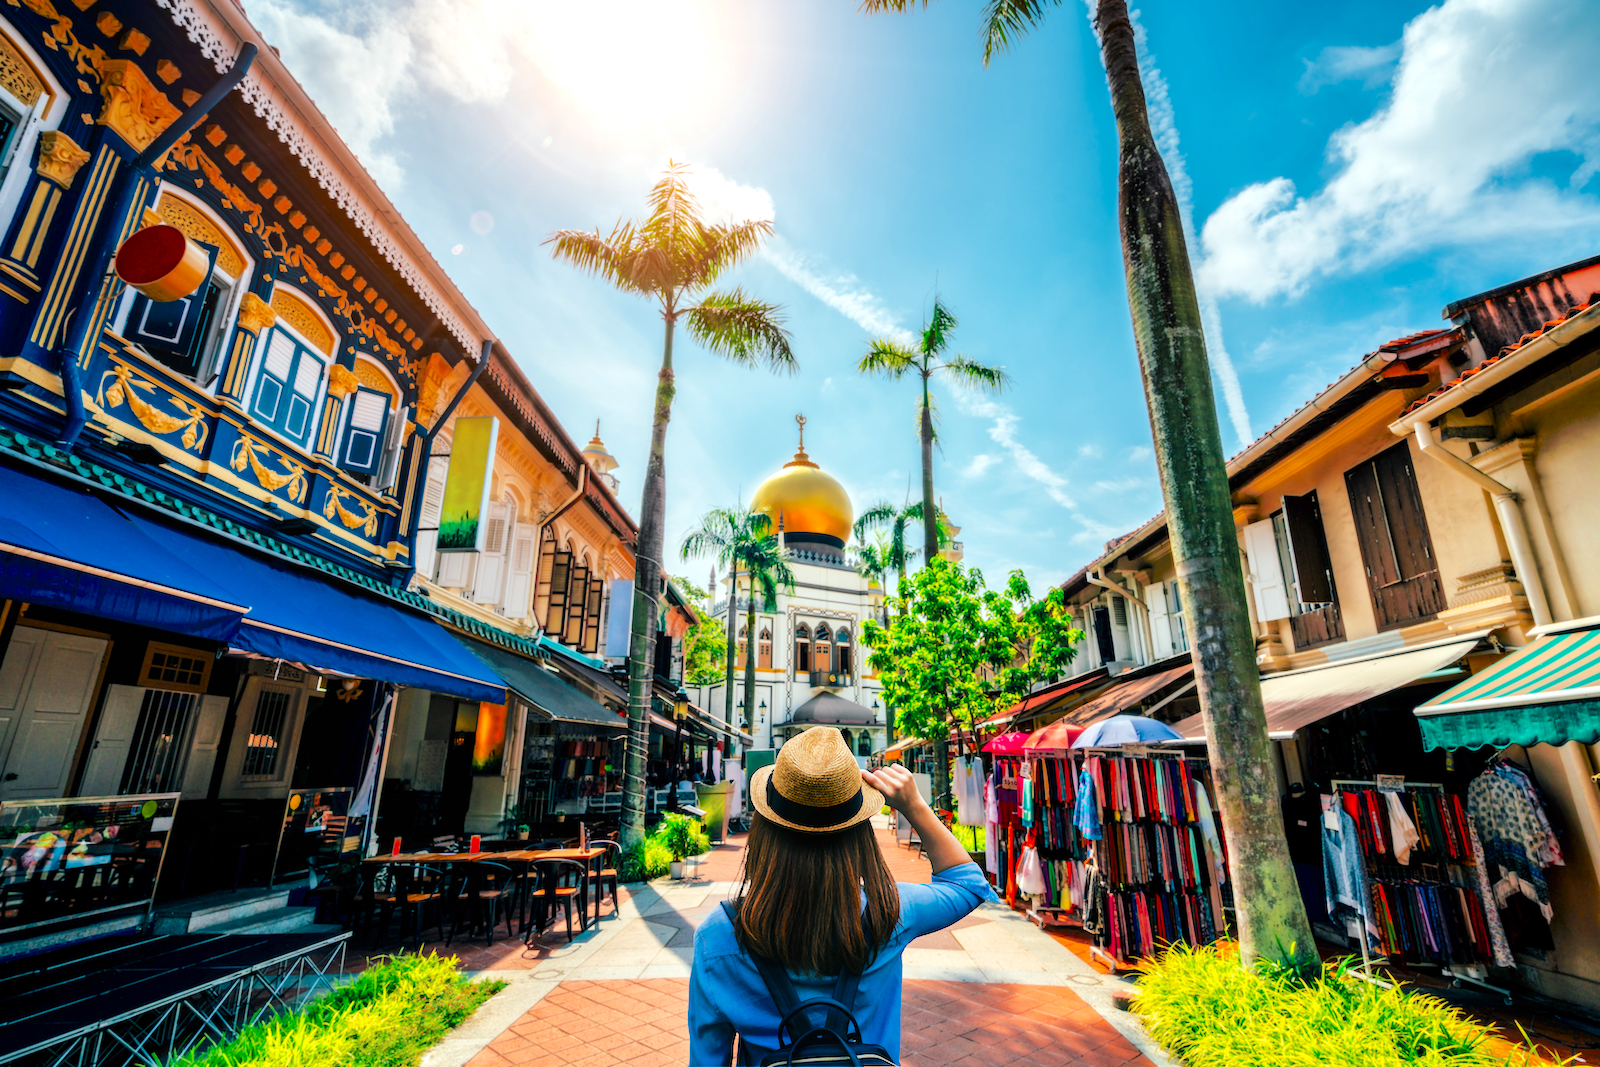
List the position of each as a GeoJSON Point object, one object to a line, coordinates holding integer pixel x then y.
{"type": "Point", "coordinates": [776, 979]}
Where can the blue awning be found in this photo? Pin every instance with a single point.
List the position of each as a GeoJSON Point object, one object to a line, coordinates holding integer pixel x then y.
{"type": "Point", "coordinates": [298, 616]}
{"type": "Point", "coordinates": [64, 547]}
{"type": "Point", "coordinates": [78, 551]}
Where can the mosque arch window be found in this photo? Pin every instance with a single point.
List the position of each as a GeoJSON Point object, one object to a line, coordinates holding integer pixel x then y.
{"type": "Point", "coordinates": [842, 652]}
{"type": "Point", "coordinates": [744, 639]}
{"type": "Point", "coordinates": [802, 648]}
{"type": "Point", "coordinates": [764, 649]}
{"type": "Point", "coordinates": [822, 649]}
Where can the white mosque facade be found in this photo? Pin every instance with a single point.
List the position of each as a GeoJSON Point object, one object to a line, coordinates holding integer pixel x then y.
{"type": "Point", "coordinates": [810, 662]}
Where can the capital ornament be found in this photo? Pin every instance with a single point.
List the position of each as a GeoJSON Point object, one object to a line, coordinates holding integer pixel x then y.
{"type": "Point", "coordinates": [255, 314]}
{"type": "Point", "coordinates": [134, 109]}
{"type": "Point", "coordinates": [60, 158]}
{"type": "Point", "coordinates": [341, 381]}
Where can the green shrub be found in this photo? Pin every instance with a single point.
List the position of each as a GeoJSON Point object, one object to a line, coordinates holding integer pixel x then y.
{"type": "Point", "coordinates": [683, 836]}
{"type": "Point", "coordinates": [645, 861]}
{"type": "Point", "coordinates": [653, 858]}
{"type": "Point", "coordinates": [388, 1017]}
{"type": "Point", "coordinates": [1210, 1012]}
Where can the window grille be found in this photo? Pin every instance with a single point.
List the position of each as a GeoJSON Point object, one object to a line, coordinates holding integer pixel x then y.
{"type": "Point", "coordinates": [266, 735]}
{"type": "Point", "coordinates": [160, 742]}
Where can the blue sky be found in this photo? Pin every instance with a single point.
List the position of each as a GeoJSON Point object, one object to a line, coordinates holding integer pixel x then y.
{"type": "Point", "coordinates": [1350, 169]}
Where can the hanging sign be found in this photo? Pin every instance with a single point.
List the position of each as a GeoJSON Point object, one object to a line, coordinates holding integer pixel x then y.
{"type": "Point", "coordinates": [466, 487]}
{"type": "Point", "coordinates": [1391, 783]}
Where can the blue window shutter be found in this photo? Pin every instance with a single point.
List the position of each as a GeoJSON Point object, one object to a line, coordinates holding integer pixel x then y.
{"type": "Point", "coordinates": [287, 387]}
{"type": "Point", "coordinates": [176, 327]}
{"type": "Point", "coordinates": [364, 432]}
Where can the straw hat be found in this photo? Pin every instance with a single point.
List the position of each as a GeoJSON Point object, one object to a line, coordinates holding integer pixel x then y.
{"type": "Point", "coordinates": [815, 787]}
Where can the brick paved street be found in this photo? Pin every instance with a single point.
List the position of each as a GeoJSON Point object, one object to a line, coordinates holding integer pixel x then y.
{"type": "Point", "coordinates": [991, 990]}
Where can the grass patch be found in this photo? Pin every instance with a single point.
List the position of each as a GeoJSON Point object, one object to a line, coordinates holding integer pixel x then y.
{"type": "Point", "coordinates": [1210, 1012]}
{"type": "Point", "coordinates": [388, 1017]}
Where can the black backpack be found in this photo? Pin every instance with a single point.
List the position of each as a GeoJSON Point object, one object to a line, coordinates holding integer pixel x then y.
{"type": "Point", "coordinates": [823, 1031]}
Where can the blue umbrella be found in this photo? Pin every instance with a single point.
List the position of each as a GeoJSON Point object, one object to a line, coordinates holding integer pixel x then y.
{"type": "Point", "coordinates": [1121, 729]}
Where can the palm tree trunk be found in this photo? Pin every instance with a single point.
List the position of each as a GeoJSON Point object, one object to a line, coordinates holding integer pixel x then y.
{"type": "Point", "coordinates": [733, 641]}
{"type": "Point", "coordinates": [646, 589]}
{"type": "Point", "coordinates": [1188, 443]}
{"type": "Point", "coordinates": [930, 518]}
{"type": "Point", "coordinates": [750, 657]}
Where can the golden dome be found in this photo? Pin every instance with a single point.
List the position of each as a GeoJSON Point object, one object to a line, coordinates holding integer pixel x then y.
{"type": "Point", "coordinates": [808, 500]}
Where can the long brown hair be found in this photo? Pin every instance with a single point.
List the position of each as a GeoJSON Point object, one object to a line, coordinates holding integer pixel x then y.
{"type": "Point", "coordinates": [800, 903]}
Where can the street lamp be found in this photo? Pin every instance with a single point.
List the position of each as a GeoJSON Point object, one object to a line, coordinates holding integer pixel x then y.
{"type": "Point", "coordinates": [680, 712]}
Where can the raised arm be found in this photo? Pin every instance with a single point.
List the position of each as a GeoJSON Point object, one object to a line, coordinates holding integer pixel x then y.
{"type": "Point", "coordinates": [899, 791]}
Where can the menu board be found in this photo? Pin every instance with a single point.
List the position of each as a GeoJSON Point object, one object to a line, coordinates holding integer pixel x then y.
{"type": "Point", "coordinates": [72, 858]}
{"type": "Point", "coordinates": [316, 822]}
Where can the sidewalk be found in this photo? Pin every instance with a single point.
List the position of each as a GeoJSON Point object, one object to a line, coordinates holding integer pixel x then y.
{"type": "Point", "coordinates": [991, 990]}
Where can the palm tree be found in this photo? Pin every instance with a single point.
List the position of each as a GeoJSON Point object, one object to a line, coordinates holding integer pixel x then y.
{"type": "Point", "coordinates": [673, 256]}
{"type": "Point", "coordinates": [730, 535]}
{"type": "Point", "coordinates": [892, 550]}
{"type": "Point", "coordinates": [1183, 418]}
{"type": "Point", "coordinates": [742, 539]}
{"type": "Point", "coordinates": [891, 359]}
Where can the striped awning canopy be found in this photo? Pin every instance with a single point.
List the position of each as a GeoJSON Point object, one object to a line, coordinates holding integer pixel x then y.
{"type": "Point", "coordinates": [1547, 692]}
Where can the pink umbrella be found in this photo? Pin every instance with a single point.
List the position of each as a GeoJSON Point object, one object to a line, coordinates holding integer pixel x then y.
{"type": "Point", "coordinates": [1007, 744]}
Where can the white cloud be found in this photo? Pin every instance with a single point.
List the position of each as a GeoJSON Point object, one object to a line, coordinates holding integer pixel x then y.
{"type": "Point", "coordinates": [844, 293]}
{"type": "Point", "coordinates": [1121, 485]}
{"type": "Point", "coordinates": [1482, 88]}
{"type": "Point", "coordinates": [722, 199]}
{"type": "Point", "coordinates": [1372, 66]}
{"type": "Point", "coordinates": [980, 463]}
{"type": "Point", "coordinates": [1139, 453]}
{"type": "Point", "coordinates": [1090, 451]}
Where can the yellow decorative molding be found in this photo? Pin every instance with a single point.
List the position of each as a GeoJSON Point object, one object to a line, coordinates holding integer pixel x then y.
{"type": "Point", "coordinates": [297, 313]}
{"type": "Point", "coordinates": [17, 74]}
{"type": "Point", "coordinates": [134, 109]}
{"type": "Point", "coordinates": [125, 388]}
{"type": "Point", "coordinates": [59, 158]}
{"type": "Point", "coordinates": [197, 226]}
{"type": "Point", "coordinates": [255, 314]}
{"type": "Point", "coordinates": [341, 382]}
{"type": "Point", "coordinates": [247, 452]}
{"type": "Point", "coordinates": [369, 375]}
{"type": "Point", "coordinates": [334, 505]}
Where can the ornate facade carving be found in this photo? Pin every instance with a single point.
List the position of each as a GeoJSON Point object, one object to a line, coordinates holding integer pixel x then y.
{"type": "Point", "coordinates": [197, 226]}
{"type": "Point", "coordinates": [341, 382]}
{"type": "Point", "coordinates": [134, 109]}
{"type": "Point", "coordinates": [60, 158]}
{"type": "Point", "coordinates": [17, 74]}
{"type": "Point", "coordinates": [294, 311]}
{"type": "Point", "coordinates": [255, 314]}
{"type": "Point", "coordinates": [369, 375]}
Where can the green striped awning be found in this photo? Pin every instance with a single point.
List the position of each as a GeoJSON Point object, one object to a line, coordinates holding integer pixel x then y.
{"type": "Point", "coordinates": [1545, 693]}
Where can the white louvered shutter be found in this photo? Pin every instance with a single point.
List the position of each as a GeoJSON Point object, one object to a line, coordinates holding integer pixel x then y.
{"type": "Point", "coordinates": [492, 560]}
{"type": "Point", "coordinates": [428, 522]}
{"type": "Point", "coordinates": [519, 584]}
{"type": "Point", "coordinates": [1266, 573]}
{"type": "Point", "coordinates": [1155, 595]}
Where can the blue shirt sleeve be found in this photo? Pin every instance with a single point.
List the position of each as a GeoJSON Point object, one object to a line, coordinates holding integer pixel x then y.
{"type": "Point", "coordinates": [710, 1032]}
{"type": "Point", "coordinates": [953, 894]}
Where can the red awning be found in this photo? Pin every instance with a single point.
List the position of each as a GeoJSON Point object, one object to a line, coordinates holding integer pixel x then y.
{"type": "Point", "coordinates": [1039, 701]}
{"type": "Point", "coordinates": [1114, 701]}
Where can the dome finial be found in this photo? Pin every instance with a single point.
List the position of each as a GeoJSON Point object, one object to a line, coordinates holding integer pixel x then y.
{"type": "Point", "coordinates": [800, 457]}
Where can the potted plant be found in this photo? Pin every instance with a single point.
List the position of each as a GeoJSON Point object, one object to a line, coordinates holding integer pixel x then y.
{"type": "Point", "coordinates": [678, 835]}
{"type": "Point", "coordinates": [523, 830]}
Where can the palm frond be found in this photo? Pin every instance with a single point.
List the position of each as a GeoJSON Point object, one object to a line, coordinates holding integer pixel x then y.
{"type": "Point", "coordinates": [1007, 21]}
{"type": "Point", "coordinates": [674, 218]}
{"type": "Point", "coordinates": [722, 246]}
{"type": "Point", "coordinates": [717, 535]}
{"type": "Point", "coordinates": [936, 335]}
{"type": "Point", "coordinates": [882, 513]}
{"type": "Point", "coordinates": [742, 329]}
{"type": "Point", "coordinates": [610, 257]}
{"type": "Point", "coordinates": [889, 359]}
{"type": "Point", "coordinates": [974, 375]}
{"type": "Point", "coordinates": [898, 7]}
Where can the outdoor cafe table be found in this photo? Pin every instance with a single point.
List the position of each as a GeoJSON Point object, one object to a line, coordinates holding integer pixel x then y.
{"type": "Point", "coordinates": [589, 857]}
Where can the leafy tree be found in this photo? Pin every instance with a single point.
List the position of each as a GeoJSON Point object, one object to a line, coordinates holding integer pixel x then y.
{"type": "Point", "coordinates": [892, 553]}
{"type": "Point", "coordinates": [673, 256]}
{"type": "Point", "coordinates": [1168, 333]}
{"type": "Point", "coordinates": [704, 644]}
{"type": "Point", "coordinates": [744, 542]}
{"type": "Point", "coordinates": [958, 652]}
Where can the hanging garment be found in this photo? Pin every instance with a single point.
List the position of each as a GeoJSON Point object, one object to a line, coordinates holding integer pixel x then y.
{"type": "Point", "coordinates": [1087, 815]}
{"type": "Point", "coordinates": [1402, 831]}
{"type": "Point", "coordinates": [1030, 876]}
{"type": "Point", "coordinates": [991, 828]}
{"type": "Point", "coordinates": [1512, 835]}
{"type": "Point", "coordinates": [969, 791]}
{"type": "Point", "coordinates": [1344, 874]}
{"type": "Point", "coordinates": [1025, 804]}
{"type": "Point", "coordinates": [1500, 947]}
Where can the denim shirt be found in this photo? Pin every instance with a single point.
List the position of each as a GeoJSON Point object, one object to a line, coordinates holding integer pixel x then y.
{"type": "Point", "coordinates": [727, 995]}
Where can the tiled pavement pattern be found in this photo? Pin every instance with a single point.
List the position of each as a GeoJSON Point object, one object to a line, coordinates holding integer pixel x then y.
{"type": "Point", "coordinates": [991, 990]}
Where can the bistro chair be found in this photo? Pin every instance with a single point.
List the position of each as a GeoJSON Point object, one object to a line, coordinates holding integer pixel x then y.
{"type": "Point", "coordinates": [418, 887]}
{"type": "Point", "coordinates": [485, 889]}
{"type": "Point", "coordinates": [564, 882]}
{"type": "Point", "coordinates": [373, 892]}
{"type": "Point", "coordinates": [608, 877]}
{"type": "Point", "coordinates": [332, 879]}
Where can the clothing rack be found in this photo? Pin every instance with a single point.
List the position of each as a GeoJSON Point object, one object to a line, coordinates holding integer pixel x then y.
{"type": "Point", "coordinates": [1456, 975]}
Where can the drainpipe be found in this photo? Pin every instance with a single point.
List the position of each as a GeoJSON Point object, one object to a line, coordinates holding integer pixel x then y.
{"type": "Point", "coordinates": [99, 263]}
{"type": "Point", "coordinates": [1505, 505]}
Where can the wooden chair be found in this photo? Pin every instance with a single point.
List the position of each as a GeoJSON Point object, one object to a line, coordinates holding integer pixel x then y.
{"type": "Point", "coordinates": [485, 889]}
{"type": "Point", "coordinates": [336, 881]}
{"type": "Point", "coordinates": [419, 886]}
{"type": "Point", "coordinates": [608, 876]}
{"type": "Point", "coordinates": [563, 884]}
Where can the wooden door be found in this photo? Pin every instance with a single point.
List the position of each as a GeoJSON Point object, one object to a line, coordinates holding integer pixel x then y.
{"type": "Point", "coordinates": [47, 685]}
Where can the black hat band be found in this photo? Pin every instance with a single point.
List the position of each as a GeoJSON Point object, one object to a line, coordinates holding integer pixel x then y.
{"type": "Point", "coordinates": [807, 814]}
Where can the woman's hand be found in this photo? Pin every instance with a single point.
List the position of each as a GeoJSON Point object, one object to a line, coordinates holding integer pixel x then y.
{"type": "Point", "coordinates": [899, 789]}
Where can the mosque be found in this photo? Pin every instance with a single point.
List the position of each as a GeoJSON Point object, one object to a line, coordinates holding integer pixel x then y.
{"type": "Point", "coordinates": [810, 663]}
